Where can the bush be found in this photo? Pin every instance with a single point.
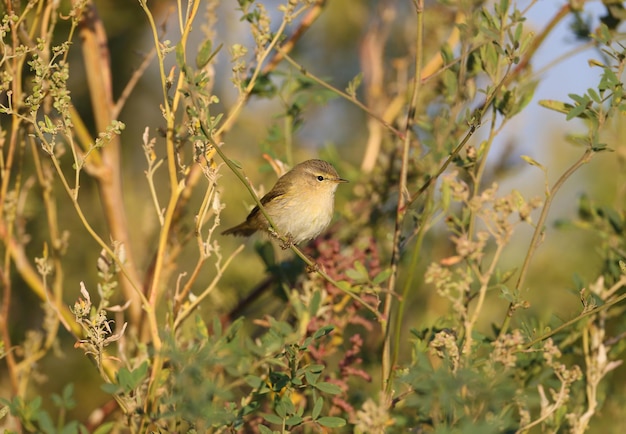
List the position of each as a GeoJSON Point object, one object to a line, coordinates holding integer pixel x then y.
{"type": "Point", "coordinates": [425, 307]}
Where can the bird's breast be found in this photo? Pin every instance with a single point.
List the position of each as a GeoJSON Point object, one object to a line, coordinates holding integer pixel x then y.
{"type": "Point", "coordinates": [304, 217]}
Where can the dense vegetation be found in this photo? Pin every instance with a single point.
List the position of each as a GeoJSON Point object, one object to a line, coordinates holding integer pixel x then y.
{"type": "Point", "coordinates": [445, 296]}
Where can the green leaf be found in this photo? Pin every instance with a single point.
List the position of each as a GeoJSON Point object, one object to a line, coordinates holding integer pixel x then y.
{"type": "Point", "coordinates": [281, 408]}
{"type": "Point", "coordinates": [45, 422]}
{"type": "Point", "coordinates": [306, 342]}
{"type": "Point", "coordinates": [604, 34]}
{"type": "Point", "coordinates": [518, 32]}
{"type": "Point", "coordinates": [111, 388]}
{"type": "Point", "coordinates": [130, 380]}
{"type": "Point", "coordinates": [504, 103]}
{"type": "Point", "coordinates": [557, 106]}
{"type": "Point", "coordinates": [65, 400]}
{"type": "Point", "coordinates": [526, 95]}
{"type": "Point", "coordinates": [594, 95]}
{"type": "Point", "coordinates": [57, 401]}
{"type": "Point", "coordinates": [49, 124]}
{"type": "Point", "coordinates": [503, 8]}
{"type": "Point", "coordinates": [446, 53]}
{"type": "Point", "coordinates": [450, 83]}
{"type": "Point", "coordinates": [124, 379]}
{"type": "Point", "coordinates": [506, 294]}
{"type": "Point", "coordinates": [272, 418]}
{"type": "Point", "coordinates": [354, 85]}
{"type": "Point", "coordinates": [73, 427]}
{"type": "Point", "coordinates": [582, 100]}
{"type": "Point", "coordinates": [315, 303]}
{"type": "Point", "coordinates": [317, 407]}
{"type": "Point", "coordinates": [288, 403]}
{"type": "Point", "coordinates": [576, 112]}
{"type": "Point", "coordinates": [345, 286]}
{"type": "Point", "coordinates": [263, 86]}
{"type": "Point", "coordinates": [594, 62]}
{"type": "Point", "coordinates": [281, 327]}
{"type": "Point", "coordinates": [105, 428]}
{"type": "Point", "coordinates": [180, 54]}
{"type": "Point", "coordinates": [278, 380]}
{"type": "Point", "coordinates": [358, 273]}
{"type": "Point", "coordinates": [599, 147]}
{"type": "Point", "coordinates": [331, 422]}
{"type": "Point", "coordinates": [507, 275]}
{"type": "Point", "coordinates": [250, 408]}
{"type": "Point", "coordinates": [609, 80]}
{"type": "Point", "coordinates": [205, 55]}
{"type": "Point", "coordinates": [324, 331]}
{"type": "Point", "coordinates": [489, 56]}
{"type": "Point", "coordinates": [315, 368]}
{"type": "Point", "coordinates": [139, 374]}
{"type": "Point", "coordinates": [265, 430]}
{"type": "Point", "coordinates": [68, 392]}
{"type": "Point", "coordinates": [614, 218]}
{"type": "Point", "coordinates": [532, 162]}
{"type": "Point", "coordinates": [355, 275]}
{"type": "Point", "coordinates": [294, 420]}
{"type": "Point", "coordinates": [382, 276]}
{"type": "Point", "coordinates": [526, 42]}
{"type": "Point", "coordinates": [329, 388]}
{"type": "Point", "coordinates": [4, 411]}
{"type": "Point", "coordinates": [254, 381]}
{"type": "Point", "coordinates": [202, 332]}
{"type": "Point", "coordinates": [358, 266]}
{"type": "Point", "coordinates": [311, 377]}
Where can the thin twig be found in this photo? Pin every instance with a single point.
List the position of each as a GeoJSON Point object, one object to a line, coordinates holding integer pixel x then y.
{"type": "Point", "coordinates": [4, 330]}
{"type": "Point", "coordinates": [132, 83]}
{"type": "Point", "coordinates": [474, 124]}
{"type": "Point", "coordinates": [233, 113]}
{"type": "Point", "coordinates": [482, 293]}
{"type": "Point", "coordinates": [289, 44]}
{"type": "Point", "coordinates": [342, 94]}
{"type": "Point", "coordinates": [539, 229]}
{"type": "Point", "coordinates": [175, 189]}
{"type": "Point", "coordinates": [387, 369]}
{"type": "Point", "coordinates": [98, 72]}
{"type": "Point", "coordinates": [619, 284]}
{"type": "Point", "coordinates": [196, 302]}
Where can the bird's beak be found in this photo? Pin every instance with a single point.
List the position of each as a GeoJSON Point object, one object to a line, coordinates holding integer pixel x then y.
{"type": "Point", "coordinates": [340, 180]}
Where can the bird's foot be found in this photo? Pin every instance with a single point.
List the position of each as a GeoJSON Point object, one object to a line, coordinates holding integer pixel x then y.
{"type": "Point", "coordinates": [287, 242]}
{"type": "Point", "coordinates": [313, 268]}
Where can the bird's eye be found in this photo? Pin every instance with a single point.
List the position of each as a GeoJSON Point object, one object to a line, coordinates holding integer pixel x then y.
{"type": "Point", "coordinates": [320, 178]}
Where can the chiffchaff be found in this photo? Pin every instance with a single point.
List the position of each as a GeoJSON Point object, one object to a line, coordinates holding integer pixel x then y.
{"type": "Point", "coordinates": [300, 204]}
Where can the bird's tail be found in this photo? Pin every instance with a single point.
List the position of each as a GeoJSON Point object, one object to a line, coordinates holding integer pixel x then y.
{"type": "Point", "coordinates": [241, 230]}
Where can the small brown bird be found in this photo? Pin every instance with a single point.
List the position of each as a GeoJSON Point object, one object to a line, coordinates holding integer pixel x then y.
{"type": "Point", "coordinates": [300, 204]}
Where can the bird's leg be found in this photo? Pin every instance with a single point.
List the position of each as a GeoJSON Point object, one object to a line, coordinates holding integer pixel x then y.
{"type": "Point", "coordinates": [287, 243]}
{"type": "Point", "coordinates": [272, 232]}
{"type": "Point", "coordinates": [313, 268]}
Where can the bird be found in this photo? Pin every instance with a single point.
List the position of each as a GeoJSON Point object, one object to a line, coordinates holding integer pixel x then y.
{"type": "Point", "coordinates": [300, 204]}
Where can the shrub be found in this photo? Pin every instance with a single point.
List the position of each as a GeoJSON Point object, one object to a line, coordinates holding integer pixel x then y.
{"type": "Point", "coordinates": [418, 310]}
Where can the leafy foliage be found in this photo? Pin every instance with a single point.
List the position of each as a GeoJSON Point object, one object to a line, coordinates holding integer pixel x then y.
{"type": "Point", "coordinates": [341, 335]}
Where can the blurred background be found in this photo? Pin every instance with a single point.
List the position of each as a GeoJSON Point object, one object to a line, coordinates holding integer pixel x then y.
{"type": "Point", "coordinates": [335, 129]}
